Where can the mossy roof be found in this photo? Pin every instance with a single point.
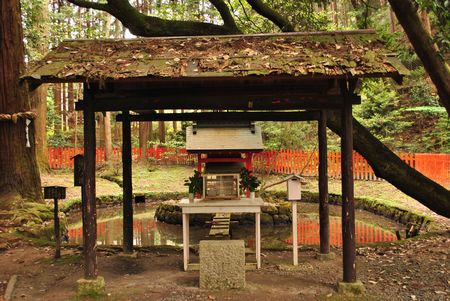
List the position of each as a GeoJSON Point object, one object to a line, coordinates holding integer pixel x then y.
{"type": "Point", "coordinates": [344, 54]}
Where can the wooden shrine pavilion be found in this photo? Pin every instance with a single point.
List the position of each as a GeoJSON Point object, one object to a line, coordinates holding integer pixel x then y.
{"type": "Point", "coordinates": [267, 77]}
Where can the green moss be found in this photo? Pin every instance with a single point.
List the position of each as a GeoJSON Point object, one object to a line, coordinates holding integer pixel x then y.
{"type": "Point", "coordinates": [113, 178]}
{"type": "Point", "coordinates": [32, 213]}
{"type": "Point", "coordinates": [381, 207]}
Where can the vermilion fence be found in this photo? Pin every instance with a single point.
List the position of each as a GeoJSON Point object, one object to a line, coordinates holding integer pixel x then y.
{"type": "Point", "coordinates": [305, 162]}
{"type": "Point", "coordinates": [62, 157]}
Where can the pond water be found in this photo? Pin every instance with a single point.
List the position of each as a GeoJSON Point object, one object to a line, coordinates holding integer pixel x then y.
{"type": "Point", "coordinates": [150, 232]}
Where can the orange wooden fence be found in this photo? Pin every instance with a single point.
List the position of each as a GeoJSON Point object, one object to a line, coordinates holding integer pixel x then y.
{"type": "Point", "coordinates": [305, 162]}
{"type": "Point", "coordinates": [62, 157]}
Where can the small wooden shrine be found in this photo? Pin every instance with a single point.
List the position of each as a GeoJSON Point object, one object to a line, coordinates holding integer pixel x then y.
{"type": "Point", "coordinates": [265, 77]}
{"type": "Point", "coordinates": [223, 149]}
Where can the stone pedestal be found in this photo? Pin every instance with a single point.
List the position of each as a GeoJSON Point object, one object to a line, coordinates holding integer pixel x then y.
{"type": "Point", "coordinates": [222, 264]}
{"type": "Point", "coordinates": [351, 288]}
{"type": "Point", "coordinates": [325, 256]}
{"type": "Point", "coordinates": [91, 287]}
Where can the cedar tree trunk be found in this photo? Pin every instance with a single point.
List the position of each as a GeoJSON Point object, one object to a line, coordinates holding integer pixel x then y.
{"type": "Point", "coordinates": [19, 172]}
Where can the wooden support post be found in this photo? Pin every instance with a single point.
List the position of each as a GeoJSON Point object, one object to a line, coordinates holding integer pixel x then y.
{"type": "Point", "coordinates": [185, 219]}
{"type": "Point", "coordinates": [294, 233]}
{"type": "Point", "coordinates": [89, 210]}
{"type": "Point", "coordinates": [348, 207]}
{"type": "Point", "coordinates": [56, 228]}
{"type": "Point", "coordinates": [127, 186]}
{"type": "Point", "coordinates": [323, 186]}
{"type": "Point", "coordinates": [258, 239]}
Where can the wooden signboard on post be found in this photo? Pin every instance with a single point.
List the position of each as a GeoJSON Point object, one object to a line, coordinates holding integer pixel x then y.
{"type": "Point", "coordinates": [56, 193]}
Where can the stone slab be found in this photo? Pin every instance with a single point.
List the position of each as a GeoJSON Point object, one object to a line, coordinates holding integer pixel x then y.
{"type": "Point", "coordinates": [91, 287]}
{"type": "Point", "coordinates": [351, 288]}
{"type": "Point", "coordinates": [222, 264]}
{"type": "Point", "coordinates": [325, 256]}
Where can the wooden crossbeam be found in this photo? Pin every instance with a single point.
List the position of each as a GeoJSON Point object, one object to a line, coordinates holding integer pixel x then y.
{"type": "Point", "coordinates": [219, 102]}
{"type": "Point", "coordinates": [251, 116]}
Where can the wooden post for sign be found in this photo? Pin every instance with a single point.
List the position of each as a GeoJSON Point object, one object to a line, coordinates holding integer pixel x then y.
{"type": "Point", "coordinates": [323, 186]}
{"type": "Point", "coordinates": [294, 233]}
{"type": "Point", "coordinates": [57, 231]}
{"type": "Point", "coordinates": [348, 206]}
{"type": "Point", "coordinates": [258, 239]}
{"type": "Point", "coordinates": [55, 193]}
{"type": "Point", "coordinates": [88, 189]}
{"type": "Point", "coordinates": [185, 218]}
{"type": "Point", "coordinates": [127, 186]}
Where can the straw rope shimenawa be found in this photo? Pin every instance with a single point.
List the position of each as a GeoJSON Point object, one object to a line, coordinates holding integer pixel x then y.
{"type": "Point", "coordinates": [15, 116]}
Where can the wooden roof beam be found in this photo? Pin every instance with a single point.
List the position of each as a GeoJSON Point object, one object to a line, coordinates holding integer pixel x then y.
{"type": "Point", "coordinates": [251, 116]}
{"type": "Point", "coordinates": [221, 102]}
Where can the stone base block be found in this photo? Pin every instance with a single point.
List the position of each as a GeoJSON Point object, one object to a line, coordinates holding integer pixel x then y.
{"type": "Point", "coordinates": [91, 287]}
{"type": "Point", "coordinates": [128, 255]}
{"type": "Point", "coordinates": [325, 256]}
{"type": "Point", "coordinates": [222, 264]}
{"type": "Point", "coordinates": [351, 288]}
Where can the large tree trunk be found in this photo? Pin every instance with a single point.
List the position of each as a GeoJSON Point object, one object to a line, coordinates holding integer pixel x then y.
{"type": "Point", "coordinates": [19, 172]}
{"type": "Point", "coordinates": [39, 96]}
{"type": "Point", "coordinates": [406, 13]}
{"type": "Point", "coordinates": [107, 135]}
{"type": "Point", "coordinates": [57, 104]}
{"type": "Point", "coordinates": [390, 167]}
{"type": "Point", "coordinates": [143, 138]}
{"type": "Point", "coordinates": [162, 130]}
{"type": "Point", "coordinates": [39, 105]}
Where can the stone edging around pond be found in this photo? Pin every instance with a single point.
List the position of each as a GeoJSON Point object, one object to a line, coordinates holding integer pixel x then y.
{"type": "Point", "coordinates": [276, 211]}
{"type": "Point", "coordinates": [375, 206]}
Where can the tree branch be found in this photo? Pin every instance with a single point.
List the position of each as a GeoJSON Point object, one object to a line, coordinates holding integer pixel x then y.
{"type": "Point", "coordinates": [142, 25]}
{"type": "Point", "coordinates": [406, 12]}
{"type": "Point", "coordinates": [272, 15]}
{"type": "Point", "coordinates": [390, 167]}
{"type": "Point", "coordinates": [224, 11]}
{"type": "Point", "coordinates": [89, 4]}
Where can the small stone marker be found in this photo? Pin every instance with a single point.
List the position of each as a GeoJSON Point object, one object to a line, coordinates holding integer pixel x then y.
{"type": "Point", "coordinates": [222, 264]}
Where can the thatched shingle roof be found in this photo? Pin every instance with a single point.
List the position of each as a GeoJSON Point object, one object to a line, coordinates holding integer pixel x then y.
{"type": "Point", "coordinates": [310, 55]}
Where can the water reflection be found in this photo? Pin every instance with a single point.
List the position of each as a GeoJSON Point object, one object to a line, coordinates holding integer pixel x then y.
{"type": "Point", "coordinates": [149, 232]}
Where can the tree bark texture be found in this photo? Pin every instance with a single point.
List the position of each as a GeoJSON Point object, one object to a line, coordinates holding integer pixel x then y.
{"type": "Point", "coordinates": [174, 123]}
{"type": "Point", "coordinates": [57, 99]}
{"type": "Point", "coordinates": [407, 15]}
{"type": "Point", "coordinates": [19, 172]}
{"type": "Point", "coordinates": [39, 104]}
{"type": "Point", "coordinates": [107, 135]}
{"type": "Point", "coordinates": [143, 138]}
{"type": "Point", "coordinates": [390, 167]}
{"type": "Point", "coordinates": [162, 130]}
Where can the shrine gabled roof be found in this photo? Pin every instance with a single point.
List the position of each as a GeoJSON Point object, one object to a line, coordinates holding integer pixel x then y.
{"type": "Point", "coordinates": [341, 54]}
{"type": "Point", "coordinates": [225, 139]}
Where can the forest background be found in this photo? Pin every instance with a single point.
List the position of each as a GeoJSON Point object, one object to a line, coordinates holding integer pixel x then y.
{"type": "Point", "coordinates": [406, 118]}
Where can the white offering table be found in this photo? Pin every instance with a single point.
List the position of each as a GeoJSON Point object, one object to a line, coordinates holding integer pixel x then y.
{"type": "Point", "coordinates": [243, 205]}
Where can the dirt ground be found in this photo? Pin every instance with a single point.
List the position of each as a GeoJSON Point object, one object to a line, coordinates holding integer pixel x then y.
{"type": "Point", "coordinates": [413, 270]}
